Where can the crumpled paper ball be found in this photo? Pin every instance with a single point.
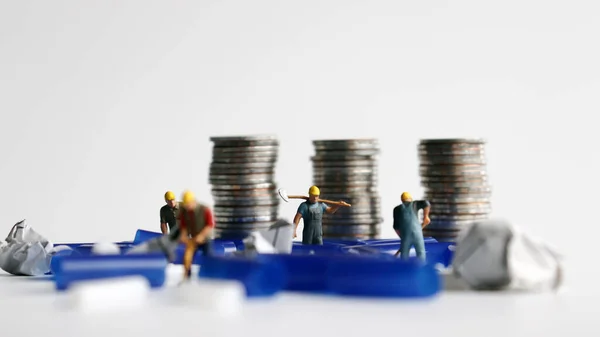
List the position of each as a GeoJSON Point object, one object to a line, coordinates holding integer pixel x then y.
{"type": "Point", "coordinates": [496, 255]}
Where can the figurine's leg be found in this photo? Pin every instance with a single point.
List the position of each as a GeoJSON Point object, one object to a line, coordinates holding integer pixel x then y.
{"type": "Point", "coordinates": [188, 257]}
{"type": "Point", "coordinates": [207, 248]}
{"type": "Point", "coordinates": [405, 243]}
{"type": "Point", "coordinates": [419, 244]}
{"type": "Point", "coordinates": [318, 240]}
{"type": "Point", "coordinates": [307, 236]}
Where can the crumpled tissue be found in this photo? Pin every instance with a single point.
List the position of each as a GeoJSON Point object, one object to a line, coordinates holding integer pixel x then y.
{"type": "Point", "coordinates": [25, 252]}
{"type": "Point", "coordinates": [496, 255]}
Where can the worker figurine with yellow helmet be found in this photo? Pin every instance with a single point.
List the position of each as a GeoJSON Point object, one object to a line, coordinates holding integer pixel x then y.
{"type": "Point", "coordinates": [408, 226]}
{"type": "Point", "coordinates": [168, 213]}
{"type": "Point", "coordinates": [195, 223]}
{"type": "Point", "coordinates": [311, 212]}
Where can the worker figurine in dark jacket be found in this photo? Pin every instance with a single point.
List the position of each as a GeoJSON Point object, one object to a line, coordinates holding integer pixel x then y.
{"type": "Point", "coordinates": [408, 226]}
{"type": "Point", "coordinates": [311, 212]}
{"type": "Point", "coordinates": [168, 213]}
{"type": "Point", "coordinates": [195, 224]}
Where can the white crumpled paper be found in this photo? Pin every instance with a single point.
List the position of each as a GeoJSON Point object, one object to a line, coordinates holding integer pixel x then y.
{"type": "Point", "coordinates": [25, 252]}
{"type": "Point", "coordinates": [496, 255]}
{"type": "Point", "coordinates": [277, 239]}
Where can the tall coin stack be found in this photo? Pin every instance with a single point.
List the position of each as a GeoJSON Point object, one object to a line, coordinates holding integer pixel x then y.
{"type": "Point", "coordinates": [242, 175]}
{"type": "Point", "coordinates": [347, 170]}
{"type": "Point", "coordinates": [454, 175]}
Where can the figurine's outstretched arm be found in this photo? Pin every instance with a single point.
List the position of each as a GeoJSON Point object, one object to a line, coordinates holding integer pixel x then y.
{"type": "Point", "coordinates": [426, 220]}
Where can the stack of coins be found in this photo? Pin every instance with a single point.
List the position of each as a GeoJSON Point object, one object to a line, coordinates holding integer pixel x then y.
{"type": "Point", "coordinates": [453, 173]}
{"type": "Point", "coordinates": [347, 170]}
{"type": "Point", "coordinates": [242, 175]}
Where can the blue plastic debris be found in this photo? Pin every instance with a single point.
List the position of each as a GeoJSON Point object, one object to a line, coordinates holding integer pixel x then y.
{"type": "Point", "coordinates": [218, 247]}
{"type": "Point", "coordinates": [69, 269]}
{"type": "Point", "coordinates": [261, 278]}
{"type": "Point", "coordinates": [305, 273]}
{"type": "Point", "coordinates": [357, 275]}
{"type": "Point", "coordinates": [437, 252]}
{"type": "Point", "coordinates": [373, 277]}
{"type": "Point", "coordinates": [144, 235]}
{"type": "Point", "coordinates": [300, 249]}
{"type": "Point", "coordinates": [376, 241]}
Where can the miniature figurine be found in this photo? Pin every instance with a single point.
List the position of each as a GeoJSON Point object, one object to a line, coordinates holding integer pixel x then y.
{"type": "Point", "coordinates": [406, 225]}
{"type": "Point", "coordinates": [311, 212]}
{"type": "Point", "coordinates": [168, 213]}
{"type": "Point", "coordinates": [195, 223]}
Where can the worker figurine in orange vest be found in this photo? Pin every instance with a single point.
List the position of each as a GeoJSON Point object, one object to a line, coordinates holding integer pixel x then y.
{"type": "Point", "coordinates": [196, 223]}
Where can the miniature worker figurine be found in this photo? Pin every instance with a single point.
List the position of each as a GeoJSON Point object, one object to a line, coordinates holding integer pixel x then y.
{"type": "Point", "coordinates": [407, 226]}
{"type": "Point", "coordinates": [311, 212]}
{"type": "Point", "coordinates": [168, 213]}
{"type": "Point", "coordinates": [195, 223]}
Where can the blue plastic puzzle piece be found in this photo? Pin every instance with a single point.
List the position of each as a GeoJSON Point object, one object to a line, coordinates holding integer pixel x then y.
{"type": "Point", "coordinates": [260, 278]}
{"type": "Point", "coordinates": [437, 252]}
{"type": "Point", "coordinates": [372, 277]}
{"type": "Point", "coordinates": [377, 241]}
{"type": "Point", "coordinates": [69, 269]}
{"type": "Point", "coordinates": [300, 249]}
{"type": "Point", "coordinates": [144, 235]}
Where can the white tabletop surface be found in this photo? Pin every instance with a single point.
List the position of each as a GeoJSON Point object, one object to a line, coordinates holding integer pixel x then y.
{"type": "Point", "coordinates": [32, 307]}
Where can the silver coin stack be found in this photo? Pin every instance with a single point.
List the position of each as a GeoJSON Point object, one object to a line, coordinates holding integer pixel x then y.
{"type": "Point", "coordinates": [454, 175]}
{"type": "Point", "coordinates": [242, 175]}
{"type": "Point", "coordinates": [347, 170]}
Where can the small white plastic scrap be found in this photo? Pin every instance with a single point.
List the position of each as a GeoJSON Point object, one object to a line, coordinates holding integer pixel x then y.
{"type": "Point", "coordinates": [123, 293]}
{"type": "Point", "coordinates": [106, 248]}
{"type": "Point", "coordinates": [222, 297]}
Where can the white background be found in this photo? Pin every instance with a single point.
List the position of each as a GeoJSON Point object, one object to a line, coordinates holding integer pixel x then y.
{"type": "Point", "coordinates": [106, 105]}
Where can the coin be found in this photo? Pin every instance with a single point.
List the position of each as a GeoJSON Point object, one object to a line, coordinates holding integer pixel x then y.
{"type": "Point", "coordinates": [242, 170]}
{"type": "Point", "coordinates": [245, 160]}
{"type": "Point", "coordinates": [480, 190]}
{"type": "Point", "coordinates": [243, 201]}
{"type": "Point", "coordinates": [344, 163]}
{"type": "Point", "coordinates": [244, 210]}
{"type": "Point", "coordinates": [462, 208]}
{"type": "Point", "coordinates": [241, 180]}
{"type": "Point", "coordinates": [448, 224]}
{"type": "Point", "coordinates": [363, 221]}
{"type": "Point", "coordinates": [246, 219]}
{"type": "Point", "coordinates": [246, 187]}
{"type": "Point", "coordinates": [452, 141]}
{"type": "Point", "coordinates": [452, 170]}
{"type": "Point", "coordinates": [454, 217]}
{"type": "Point", "coordinates": [253, 165]}
{"type": "Point", "coordinates": [247, 193]}
{"type": "Point", "coordinates": [245, 141]}
{"type": "Point", "coordinates": [366, 229]}
{"type": "Point", "coordinates": [346, 144]}
{"type": "Point", "coordinates": [441, 160]}
{"type": "Point", "coordinates": [458, 199]}
{"type": "Point", "coordinates": [481, 179]}
{"type": "Point", "coordinates": [234, 151]}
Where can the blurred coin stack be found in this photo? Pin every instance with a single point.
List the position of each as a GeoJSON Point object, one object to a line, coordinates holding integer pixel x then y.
{"type": "Point", "coordinates": [454, 175]}
{"type": "Point", "coordinates": [347, 170]}
{"type": "Point", "coordinates": [242, 175]}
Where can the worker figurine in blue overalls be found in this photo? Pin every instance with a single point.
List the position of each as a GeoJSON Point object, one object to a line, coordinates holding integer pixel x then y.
{"type": "Point", "coordinates": [408, 226]}
{"type": "Point", "coordinates": [311, 212]}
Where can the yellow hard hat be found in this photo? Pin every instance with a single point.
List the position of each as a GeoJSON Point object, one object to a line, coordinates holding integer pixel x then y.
{"type": "Point", "coordinates": [314, 190]}
{"type": "Point", "coordinates": [405, 196]}
{"type": "Point", "coordinates": [169, 196]}
{"type": "Point", "coordinates": [188, 197]}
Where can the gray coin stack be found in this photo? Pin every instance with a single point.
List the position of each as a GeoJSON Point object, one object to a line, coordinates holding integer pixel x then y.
{"type": "Point", "coordinates": [242, 175]}
{"type": "Point", "coordinates": [347, 170]}
{"type": "Point", "coordinates": [454, 175]}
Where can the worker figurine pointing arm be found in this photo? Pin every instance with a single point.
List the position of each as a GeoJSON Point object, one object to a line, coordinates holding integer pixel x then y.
{"type": "Point", "coordinates": [196, 223]}
{"type": "Point", "coordinates": [311, 212]}
{"type": "Point", "coordinates": [408, 228]}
